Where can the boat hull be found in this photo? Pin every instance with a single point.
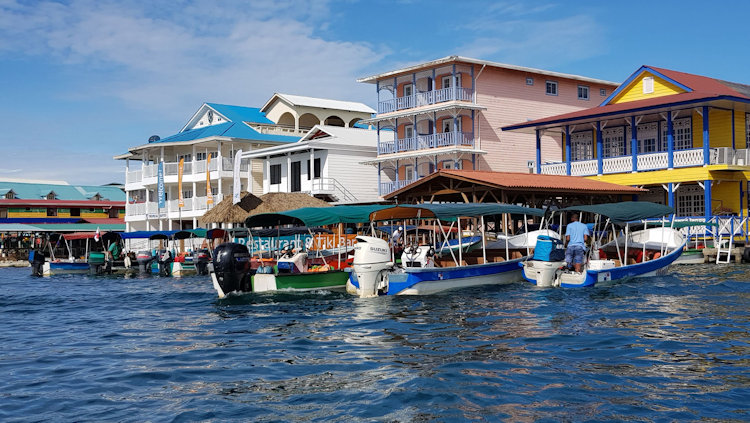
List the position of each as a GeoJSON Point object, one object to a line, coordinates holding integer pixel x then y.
{"type": "Point", "coordinates": [693, 256]}
{"type": "Point", "coordinates": [64, 267]}
{"type": "Point", "coordinates": [425, 281]}
{"type": "Point", "coordinates": [309, 281]}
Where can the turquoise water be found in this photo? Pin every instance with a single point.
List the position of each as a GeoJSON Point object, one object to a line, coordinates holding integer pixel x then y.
{"type": "Point", "coordinates": [672, 348]}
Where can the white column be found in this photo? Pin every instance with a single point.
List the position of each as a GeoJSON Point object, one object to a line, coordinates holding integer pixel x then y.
{"type": "Point", "coordinates": [192, 156]}
{"type": "Point", "coordinates": [288, 172]}
{"type": "Point", "coordinates": [267, 176]}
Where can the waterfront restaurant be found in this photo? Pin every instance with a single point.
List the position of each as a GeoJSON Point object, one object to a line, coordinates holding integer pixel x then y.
{"type": "Point", "coordinates": [683, 137]}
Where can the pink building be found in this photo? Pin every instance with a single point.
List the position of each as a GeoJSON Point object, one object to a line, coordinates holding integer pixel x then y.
{"type": "Point", "coordinates": [447, 114]}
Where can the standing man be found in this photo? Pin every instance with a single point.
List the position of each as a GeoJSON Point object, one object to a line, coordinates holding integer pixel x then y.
{"type": "Point", "coordinates": [576, 235]}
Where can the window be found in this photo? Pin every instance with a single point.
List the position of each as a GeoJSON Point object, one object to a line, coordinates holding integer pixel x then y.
{"type": "Point", "coordinates": [603, 92]}
{"type": "Point", "coordinates": [51, 212]}
{"type": "Point", "coordinates": [683, 134]}
{"type": "Point", "coordinates": [689, 201]}
{"type": "Point", "coordinates": [10, 195]}
{"type": "Point", "coordinates": [583, 92]}
{"type": "Point", "coordinates": [187, 194]}
{"type": "Point", "coordinates": [275, 174]}
{"type": "Point", "coordinates": [448, 125]}
{"type": "Point", "coordinates": [114, 213]}
{"type": "Point", "coordinates": [3, 213]}
{"type": "Point", "coordinates": [613, 142]}
{"type": "Point", "coordinates": [408, 172]}
{"type": "Point", "coordinates": [648, 85]}
{"type": "Point", "coordinates": [582, 145]}
{"type": "Point", "coordinates": [450, 164]}
{"type": "Point", "coordinates": [551, 88]}
{"type": "Point", "coordinates": [408, 90]}
{"type": "Point", "coordinates": [317, 168]}
{"type": "Point", "coordinates": [408, 131]}
{"type": "Point", "coordinates": [529, 80]}
{"type": "Point", "coordinates": [202, 156]}
{"type": "Point", "coordinates": [648, 139]}
{"type": "Point", "coordinates": [75, 212]}
{"type": "Point", "coordinates": [447, 81]}
{"type": "Point", "coordinates": [51, 196]}
{"type": "Point", "coordinates": [187, 157]}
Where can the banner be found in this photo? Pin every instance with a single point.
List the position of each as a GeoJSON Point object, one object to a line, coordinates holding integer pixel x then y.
{"type": "Point", "coordinates": [209, 194]}
{"type": "Point", "coordinates": [180, 199]}
{"type": "Point", "coordinates": [160, 186]}
{"type": "Point", "coordinates": [236, 188]}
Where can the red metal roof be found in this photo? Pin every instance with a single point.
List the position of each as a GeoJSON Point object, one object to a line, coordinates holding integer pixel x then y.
{"type": "Point", "coordinates": [530, 182]}
{"type": "Point", "coordinates": [46, 203]}
{"type": "Point", "coordinates": [104, 221]}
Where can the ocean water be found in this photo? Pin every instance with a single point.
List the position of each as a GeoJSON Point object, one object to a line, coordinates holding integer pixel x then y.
{"type": "Point", "coordinates": [78, 348]}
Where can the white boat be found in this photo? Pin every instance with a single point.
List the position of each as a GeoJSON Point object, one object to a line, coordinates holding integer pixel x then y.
{"type": "Point", "coordinates": [521, 241]}
{"type": "Point", "coordinates": [422, 271]}
{"type": "Point", "coordinates": [646, 252]}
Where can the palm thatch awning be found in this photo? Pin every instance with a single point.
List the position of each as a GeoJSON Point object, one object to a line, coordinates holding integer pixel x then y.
{"type": "Point", "coordinates": [226, 212]}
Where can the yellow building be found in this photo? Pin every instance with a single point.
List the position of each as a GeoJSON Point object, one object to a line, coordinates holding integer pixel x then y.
{"type": "Point", "coordinates": [683, 137]}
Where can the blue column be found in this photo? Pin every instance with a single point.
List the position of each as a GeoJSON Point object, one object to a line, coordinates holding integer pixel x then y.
{"type": "Point", "coordinates": [378, 136]}
{"type": "Point", "coordinates": [670, 143]}
{"type": "Point", "coordinates": [706, 146]}
{"type": "Point", "coordinates": [377, 88]}
{"type": "Point", "coordinates": [473, 161]}
{"type": "Point", "coordinates": [416, 168]}
{"type": "Point", "coordinates": [395, 136]}
{"type": "Point", "coordinates": [567, 149]}
{"type": "Point", "coordinates": [414, 95]}
{"type": "Point", "coordinates": [634, 143]}
{"type": "Point", "coordinates": [473, 131]}
{"type": "Point", "coordinates": [707, 199]}
{"type": "Point", "coordinates": [380, 189]}
{"type": "Point", "coordinates": [538, 151]}
{"type": "Point", "coordinates": [599, 149]}
{"type": "Point", "coordinates": [671, 195]}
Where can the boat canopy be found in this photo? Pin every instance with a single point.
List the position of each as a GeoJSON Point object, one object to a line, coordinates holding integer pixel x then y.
{"type": "Point", "coordinates": [147, 234]}
{"type": "Point", "coordinates": [315, 216]}
{"type": "Point", "coordinates": [276, 232]}
{"type": "Point", "coordinates": [679, 224]}
{"type": "Point", "coordinates": [451, 211]}
{"type": "Point", "coordinates": [79, 235]}
{"type": "Point", "coordinates": [626, 211]}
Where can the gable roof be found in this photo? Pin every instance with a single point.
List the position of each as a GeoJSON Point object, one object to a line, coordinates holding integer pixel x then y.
{"type": "Point", "coordinates": [322, 103]}
{"type": "Point", "coordinates": [698, 89]}
{"type": "Point", "coordinates": [34, 191]}
{"type": "Point", "coordinates": [240, 113]}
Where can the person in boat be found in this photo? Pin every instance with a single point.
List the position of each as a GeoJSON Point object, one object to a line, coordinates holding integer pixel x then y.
{"type": "Point", "coordinates": [576, 235]}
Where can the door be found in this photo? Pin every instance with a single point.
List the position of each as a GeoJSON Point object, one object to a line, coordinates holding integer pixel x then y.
{"type": "Point", "coordinates": [296, 176]}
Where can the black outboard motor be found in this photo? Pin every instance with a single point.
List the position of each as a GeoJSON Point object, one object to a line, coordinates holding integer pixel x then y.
{"type": "Point", "coordinates": [231, 266]}
{"type": "Point", "coordinates": [36, 259]}
{"type": "Point", "coordinates": [144, 259]}
{"type": "Point", "coordinates": [165, 259]}
{"type": "Point", "coordinates": [201, 258]}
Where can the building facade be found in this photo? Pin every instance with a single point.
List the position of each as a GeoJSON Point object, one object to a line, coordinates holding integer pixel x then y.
{"type": "Point", "coordinates": [325, 163]}
{"type": "Point", "coordinates": [207, 146]}
{"type": "Point", "coordinates": [683, 137]}
{"type": "Point", "coordinates": [447, 114]}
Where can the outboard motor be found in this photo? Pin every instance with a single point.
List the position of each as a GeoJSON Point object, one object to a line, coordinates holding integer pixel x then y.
{"type": "Point", "coordinates": [96, 262]}
{"type": "Point", "coordinates": [372, 262]}
{"type": "Point", "coordinates": [165, 260]}
{"type": "Point", "coordinates": [201, 258]}
{"type": "Point", "coordinates": [36, 259]}
{"type": "Point", "coordinates": [144, 259]}
{"type": "Point", "coordinates": [231, 268]}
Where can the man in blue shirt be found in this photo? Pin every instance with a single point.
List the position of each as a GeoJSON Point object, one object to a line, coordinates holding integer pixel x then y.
{"type": "Point", "coordinates": [576, 235]}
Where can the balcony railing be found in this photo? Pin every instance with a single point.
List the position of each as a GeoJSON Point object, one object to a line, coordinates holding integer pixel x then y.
{"type": "Point", "coordinates": [426, 98]}
{"type": "Point", "coordinates": [421, 142]}
{"type": "Point", "coordinates": [651, 161]}
{"type": "Point", "coordinates": [190, 168]}
{"type": "Point", "coordinates": [151, 208]}
{"type": "Point", "coordinates": [388, 187]}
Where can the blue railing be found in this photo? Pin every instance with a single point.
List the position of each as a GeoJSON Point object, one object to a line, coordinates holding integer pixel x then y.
{"type": "Point", "coordinates": [426, 98]}
{"type": "Point", "coordinates": [422, 142]}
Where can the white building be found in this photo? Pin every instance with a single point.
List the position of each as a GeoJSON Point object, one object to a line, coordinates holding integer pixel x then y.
{"type": "Point", "coordinates": [325, 163]}
{"type": "Point", "coordinates": [215, 133]}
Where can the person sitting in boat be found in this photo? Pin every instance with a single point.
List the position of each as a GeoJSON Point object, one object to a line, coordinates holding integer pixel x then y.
{"type": "Point", "coordinates": [576, 235]}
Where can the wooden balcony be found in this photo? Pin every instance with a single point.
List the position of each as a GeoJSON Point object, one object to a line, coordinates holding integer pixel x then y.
{"type": "Point", "coordinates": [426, 98]}
{"type": "Point", "coordinates": [425, 142]}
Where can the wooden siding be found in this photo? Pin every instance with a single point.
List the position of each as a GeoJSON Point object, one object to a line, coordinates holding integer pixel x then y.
{"type": "Point", "coordinates": [360, 180]}
{"type": "Point", "coordinates": [634, 91]}
{"type": "Point", "coordinates": [726, 195]}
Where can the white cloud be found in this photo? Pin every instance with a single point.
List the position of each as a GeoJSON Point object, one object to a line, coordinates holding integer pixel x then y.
{"type": "Point", "coordinates": [162, 58]}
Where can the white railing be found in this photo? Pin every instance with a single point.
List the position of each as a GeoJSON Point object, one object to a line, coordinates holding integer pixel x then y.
{"type": "Point", "coordinates": [386, 147]}
{"type": "Point", "coordinates": [584, 167]}
{"type": "Point", "coordinates": [617, 164]}
{"type": "Point", "coordinates": [425, 98]}
{"type": "Point", "coordinates": [554, 169]}
{"type": "Point", "coordinates": [389, 187]}
{"type": "Point", "coordinates": [334, 187]}
{"type": "Point", "coordinates": [133, 176]}
{"type": "Point", "coordinates": [421, 142]}
{"type": "Point", "coordinates": [653, 161]}
{"type": "Point", "coordinates": [692, 157]}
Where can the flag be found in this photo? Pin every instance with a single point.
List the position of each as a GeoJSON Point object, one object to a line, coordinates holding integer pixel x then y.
{"type": "Point", "coordinates": [209, 194]}
{"type": "Point", "coordinates": [180, 199]}
{"type": "Point", "coordinates": [97, 234]}
{"type": "Point", "coordinates": [160, 185]}
{"type": "Point", "coordinates": [236, 188]}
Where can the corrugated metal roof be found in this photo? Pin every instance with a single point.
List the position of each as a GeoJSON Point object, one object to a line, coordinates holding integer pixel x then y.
{"type": "Point", "coordinates": [240, 113]}
{"type": "Point", "coordinates": [227, 129]}
{"type": "Point", "coordinates": [17, 227]}
{"type": "Point", "coordinates": [34, 191]}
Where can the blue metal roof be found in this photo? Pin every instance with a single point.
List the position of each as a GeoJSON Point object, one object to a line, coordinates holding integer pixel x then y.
{"type": "Point", "coordinates": [34, 191]}
{"type": "Point", "coordinates": [240, 113]}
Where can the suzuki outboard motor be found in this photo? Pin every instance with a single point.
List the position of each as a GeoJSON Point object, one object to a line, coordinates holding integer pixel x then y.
{"type": "Point", "coordinates": [36, 259]}
{"type": "Point", "coordinates": [144, 259]}
{"type": "Point", "coordinates": [372, 263]}
{"type": "Point", "coordinates": [201, 258]}
{"type": "Point", "coordinates": [165, 260]}
{"type": "Point", "coordinates": [231, 268]}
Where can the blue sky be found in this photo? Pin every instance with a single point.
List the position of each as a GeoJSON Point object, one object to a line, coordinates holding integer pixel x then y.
{"type": "Point", "coordinates": [81, 81]}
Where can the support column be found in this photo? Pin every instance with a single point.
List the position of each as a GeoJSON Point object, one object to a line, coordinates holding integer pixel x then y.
{"type": "Point", "coordinates": [706, 143]}
{"type": "Point", "coordinates": [453, 84]}
{"type": "Point", "coordinates": [670, 142]}
{"type": "Point", "coordinates": [707, 199]}
{"type": "Point", "coordinates": [289, 172]}
{"type": "Point", "coordinates": [267, 178]}
{"type": "Point", "coordinates": [538, 151]}
{"type": "Point", "coordinates": [380, 169]}
{"type": "Point", "coordinates": [599, 149]}
{"type": "Point", "coordinates": [670, 195]}
{"type": "Point", "coordinates": [567, 150]}
{"type": "Point", "coordinates": [634, 143]}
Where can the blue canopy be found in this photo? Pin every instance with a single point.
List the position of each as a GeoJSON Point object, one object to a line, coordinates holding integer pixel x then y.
{"type": "Point", "coordinates": [147, 234]}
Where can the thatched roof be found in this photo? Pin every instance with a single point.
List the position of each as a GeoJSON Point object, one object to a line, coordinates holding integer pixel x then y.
{"type": "Point", "coordinates": [226, 212]}
{"type": "Point", "coordinates": [275, 202]}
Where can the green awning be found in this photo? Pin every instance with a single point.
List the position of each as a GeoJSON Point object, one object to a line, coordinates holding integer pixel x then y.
{"type": "Point", "coordinates": [451, 211]}
{"type": "Point", "coordinates": [315, 216]}
{"type": "Point", "coordinates": [18, 227]}
{"type": "Point", "coordinates": [80, 227]}
{"type": "Point", "coordinates": [626, 211]}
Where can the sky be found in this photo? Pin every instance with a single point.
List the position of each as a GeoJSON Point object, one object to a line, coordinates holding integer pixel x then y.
{"type": "Point", "coordinates": [81, 81]}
